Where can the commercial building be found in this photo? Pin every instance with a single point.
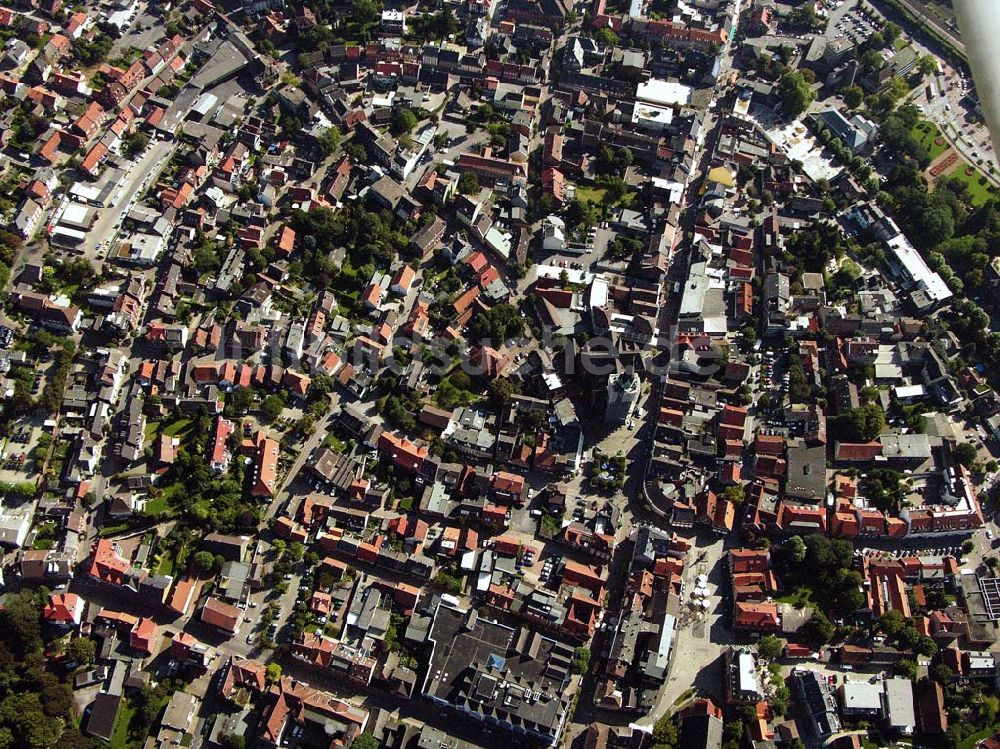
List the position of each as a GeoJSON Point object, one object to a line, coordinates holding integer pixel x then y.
{"type": "Point", "coordinates": [513, 679]}
{"type": "Point", "coordinates": [663, 93]}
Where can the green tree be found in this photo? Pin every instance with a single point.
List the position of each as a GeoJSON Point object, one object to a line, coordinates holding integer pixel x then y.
{"type": "Point", "coordinates": [329, 140]}
{"type": "Point", "coordinates": [295, 552]}
{"type": "Point", "coordinates": [819, 629]}
{"type": "Point", "coordinates": [497, 324]}
{"type": "Point", "coordinates": [782, 695]}
{"type": "Point", "coordinates": [21, 623]}
{"type": "Point", "coordinates": [892, 623]}
{"type": "Point", "coordinates": [797, 548]}
{"type": "Point", "coordinates": [448, 582]}
{"type": "Point", "coordinates": [795, 93]}
{"type": "Point", "coordinates": [926, 646]}
{"type": "Point", "coordinates": [403, 121]}
{"type": "Point", "coordinates": [306, 425]}
{"type": "Point", "coordinates": [204, 562]}
{"type": "Point", "coordinates": [135, 143]}
{"type": "Point", "coordinates": [77, 272]}
{"type": "Point", "coordinates": [81, 649]}
{"type": "Point", "coordinates": [816, 245]}
{"type": "Point", "coordinates": [271, 408]}
{"type": "Point", "coordinates": [580, 215]}
{"type": "Point", "coordinates": [606, 37]}
{"type": "Point", "coordinates": [870, 60]}
{"type": "Point", "coordinates": [468, 183]}
{"type": "Point", "coordinates": [623, 159]}
{"type": "Point", "coordinates": [665, 733]}
{"type": "Point", "coordinates": [898, 88]}
{"type": "Point", "coordinates": [965, 453]}
{"type": "Point", "coordinates": [22, 491]}
{"type": "Point", "coordinates": [321, 384]}
{"type": "Point", "coordinates": [942, 674]}
{"type": "Point", "coordinates": [860, 424]}
{"type": "Point", "coordinates": [770, 647]}
{"type": "Point", "coordinates": [72, 739]}
{"type": "Point", "coordinates": [884, 488]}
{"type": "Point", "coordinates": [853, 96]}
{"type": "Point", "coordinates": [94, 50]}
{"type": "Point", "coordinates": [805, 16]}
{"type": "Point", "coordinates": [365, 741]}
{"type": "Point", "coordinates": [273, 673]}
{"type": "Point", "coordinates": [927, 65]}
{"type": "Point", "coordinates": [238, 401]}
{"type": "Point", "coordinates": [906, 668]}
{"type": "Point", "coordinates": [875, 42]}
{"type": "Point", "coordinates": [365, 11]}
{"type": "Point", "coordinates": [988, 707]}
{"type": "Point", "coordinates": [500, 390]}
{"type": "Point", "coordinates": [24, 715]}
{"type": "Point", "coordinates": [581, 660]}
{"type": "Point", "coordinates": [798, 387]}
{"type": "Point", "coordinates": [896, 133]}
{"type": "Point", "coordinates": [234, 741]}
{"type": "Point", "coordinates": [735, 494]}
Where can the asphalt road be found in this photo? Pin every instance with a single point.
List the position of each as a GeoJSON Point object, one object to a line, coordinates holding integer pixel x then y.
{"type": "Point", "coordinates": [918, 10]}
{"type": "Point", "coordinates": [138, 178]}
{"type": "Point", "coordinates": [285, 493]}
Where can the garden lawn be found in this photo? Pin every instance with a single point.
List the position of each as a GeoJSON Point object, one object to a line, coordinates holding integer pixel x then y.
{"type": "Point", "coordinates": [976, 183]}
{"type": "Point", "coordinates": [798, 598]}
{"type": "Point", "coordinates": [120, 734]}
{"type": "Point", "coordinates": [159, 504]}
{"type": "Point", "coordinates": [166, 564]}
{"type": "Point", "coordinates": [590, 194]}
{"type": "Point", "coordinates": [970, 741]}
{"type": "Point", "coordinates": [168, 494]}
{"type": "Point", "coordinates": [926, 132]}
{"type": "Point", "coordinates": [336, 444]}
{"type": "Point", "coordinates": [111, 530]}
{"type": "Point", "coordinates": [179, 428]}
{"type": "Point", "coordinates": [598, 195]}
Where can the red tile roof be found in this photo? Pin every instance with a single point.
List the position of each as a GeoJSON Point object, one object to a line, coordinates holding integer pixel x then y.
{"type": "Point", "coordinates": [106, 564]}
{"type": "Point", "coordinates": [142, 635]}
{"type": "Point", "coordinates": [222, 615]}
{"type": "Point", "coordinates": [403, 277]}
{"type": "Point", "coordinates": [63, 608]}
{"type": "Point", "coordinates": [756, 616]}
{"type": "Point", "coordinates": [265, 467]}
{"type": "Point", "coordinates": [403, 452]}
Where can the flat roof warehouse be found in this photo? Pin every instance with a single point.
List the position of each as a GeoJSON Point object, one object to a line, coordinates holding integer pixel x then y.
{"type": "Point", "coordinates": [77, 216]}
{"type": "Point", "coordinates": [663, 93]}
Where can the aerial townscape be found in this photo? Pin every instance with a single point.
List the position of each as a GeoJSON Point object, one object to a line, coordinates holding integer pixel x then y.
{"type": "Point", "coordinates": [470, 374]}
